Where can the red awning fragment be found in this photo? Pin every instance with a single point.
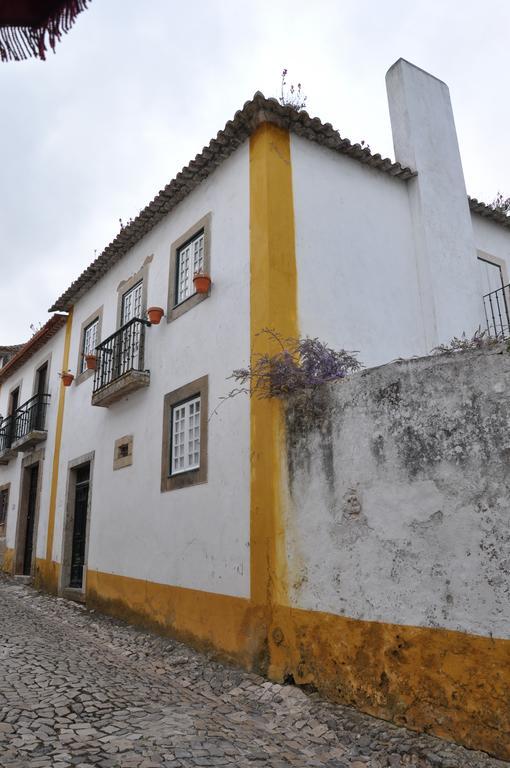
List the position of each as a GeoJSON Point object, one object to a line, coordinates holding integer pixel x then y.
{"type": "Point", "coordinates": [28, 27]}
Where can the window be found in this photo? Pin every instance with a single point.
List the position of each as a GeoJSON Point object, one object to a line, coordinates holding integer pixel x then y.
{"type": "Point", "coordinates": [190, 260]}
{"type": "Point", "coordinates": [189, 254]}
{"type": "Point", "coordinates": [90, 340]}
{"type": "Point", "coordinates": [4, 504]}
{"type": "Point", "coordinates": [90, 337]}
{"type": "Point", "coordinates": [132, 302]}
{"type": "Point", "coordinates": [184, 454]}
{"type": "Point", "coordinates": [491, 276]}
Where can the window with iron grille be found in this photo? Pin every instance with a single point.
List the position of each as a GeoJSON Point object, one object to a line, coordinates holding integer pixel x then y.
{"type": "Point", "coordinates": [185, 451]}
{"type": "Point", "coordinates": [4, 503]}
{"type": "Point", "coordinates": [190, 260]}
{"type": "Point", "coordinates": [90, 341]}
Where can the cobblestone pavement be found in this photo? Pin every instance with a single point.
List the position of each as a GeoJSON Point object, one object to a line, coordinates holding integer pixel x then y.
{"type": "Point", "coordinates": [80, 689]}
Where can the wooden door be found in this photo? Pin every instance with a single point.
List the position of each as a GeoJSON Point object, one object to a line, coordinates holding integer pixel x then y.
{"type": "Point", "coordinates": [81, 504]}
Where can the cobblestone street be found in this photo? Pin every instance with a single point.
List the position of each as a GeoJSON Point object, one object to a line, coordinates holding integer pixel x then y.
{"type": "Point", "coordinates": [80, 689]}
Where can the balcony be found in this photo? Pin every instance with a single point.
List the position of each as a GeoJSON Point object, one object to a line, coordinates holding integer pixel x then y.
{"type": "Point", "coordinates": [120, 364]}
{"type": "Point", "coordinates": [25, 428]}
{"type": "Point", "coordinates": [497, 318]}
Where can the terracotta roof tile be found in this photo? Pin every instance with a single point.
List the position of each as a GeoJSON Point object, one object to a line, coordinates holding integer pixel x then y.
{"type": "Point", "coordinates": [38, 340]}
{"type": "Point", "coordinates": [489, 213]}
{"type": "Point", "coordinates": [236, 131]}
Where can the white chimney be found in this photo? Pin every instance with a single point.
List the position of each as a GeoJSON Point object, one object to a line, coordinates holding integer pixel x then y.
{"type": "Point", "coordinates": [425, 139]}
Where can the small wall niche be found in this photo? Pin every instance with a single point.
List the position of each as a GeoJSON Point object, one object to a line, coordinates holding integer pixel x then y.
{"type": "Point", "coordinates": [123, 452]}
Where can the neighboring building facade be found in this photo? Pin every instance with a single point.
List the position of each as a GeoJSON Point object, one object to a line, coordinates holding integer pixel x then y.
{"type": "Point", "coordinates": [7, 352]}
{"type": "Point", "coordinates": [28, 406]}
{"type": "Point", "coordinates": [155, 504]}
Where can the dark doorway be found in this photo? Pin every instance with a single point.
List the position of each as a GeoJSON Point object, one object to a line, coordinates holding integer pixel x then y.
{"type": "Point", "coordinates": [40, 407]}
{"type": "Point", "coordinates": [13, 407]}
{"type": "Point", "coordinates": [28, 548]}
{"type": "Point", "coordinates": [81, 503]}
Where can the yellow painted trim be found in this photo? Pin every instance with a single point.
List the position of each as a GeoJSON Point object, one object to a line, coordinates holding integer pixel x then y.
{"type": "Point", "coordinates": [8, 561]}
{"type": "Point", "coordinates": [231, 626]}
{"type": "Point", "coordinates": [56, 455]}
{"type": "Point", "coordinates": [273, 298]}
{"type": "Point", "coordinates": [452, 684]}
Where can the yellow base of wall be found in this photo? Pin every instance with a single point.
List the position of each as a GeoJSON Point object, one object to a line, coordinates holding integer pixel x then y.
{"type": "Point", "coordinates": [8, 561]}
{"type": "Point", "coordinates": [447, 683]}
{"type": "Point", "coordinates": [233, 627]}
{"type": "Point", "coordinates": [47, 576]}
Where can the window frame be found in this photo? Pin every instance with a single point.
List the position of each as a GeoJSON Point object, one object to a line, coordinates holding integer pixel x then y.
{"type": "Point", "coordinates": [138, 287]}
{"type": "Point", "coordinates": [174, 309]}
{"type": "Point", "coordinates": [186, 405]}
{"type": "Point", "coordinates": [82, 375]}
{"type": "Point", "coordinates": [200, 235]}
{"type": "Point", "coordinates": [125, 286]}
{"type": "Point", "coordinates": [178, 397]}
{"type": "Point", "coordinates": [84, 350]}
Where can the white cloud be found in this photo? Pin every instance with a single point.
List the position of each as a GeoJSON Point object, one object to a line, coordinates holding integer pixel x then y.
{"type": "Point", "coordinates": [135, 90]}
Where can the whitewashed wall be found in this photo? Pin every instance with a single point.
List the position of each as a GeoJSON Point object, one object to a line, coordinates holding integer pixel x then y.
{"type": "Point", "coordinates": [11, 473]}
{"type": "Point", "coordinates": [196, 537]}
{"type": "Point", "coordinates": [491, 238]}
{"type": "Point", "coordinates": [357, 278]}
{"type": "Point", "coordinates": [400, 489]}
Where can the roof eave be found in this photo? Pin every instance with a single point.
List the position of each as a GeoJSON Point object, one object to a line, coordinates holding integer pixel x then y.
{"type": "Point", "coordinates": [38, 340]}
{"type": "Point", "coordinates": [255, 112]}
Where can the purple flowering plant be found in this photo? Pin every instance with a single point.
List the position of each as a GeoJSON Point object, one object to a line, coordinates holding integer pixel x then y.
{"type": "Point", "coordinates": [296, 365]}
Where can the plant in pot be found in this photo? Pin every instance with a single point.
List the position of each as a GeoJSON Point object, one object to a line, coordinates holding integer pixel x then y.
{"type": "Point", "coordinates": [91, 362]}
{"type": "Point", "coordinates": [202, 282]}
{"type": "Point", "coordinates": [155, 314]}
{"type": "Point", "coordinates": [67, 378]}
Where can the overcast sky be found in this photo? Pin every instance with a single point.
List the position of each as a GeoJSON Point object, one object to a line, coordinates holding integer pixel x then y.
{"type": "Point", "coordinates": [136, 89]}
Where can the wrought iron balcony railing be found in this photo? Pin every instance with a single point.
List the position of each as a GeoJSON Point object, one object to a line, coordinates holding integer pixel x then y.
{"type": "Point", "coordinates": [497, 305]}
{"type": "Point", "coordinates": [120, 353]}
{"type": "Point", "coordinates": [29, 418]}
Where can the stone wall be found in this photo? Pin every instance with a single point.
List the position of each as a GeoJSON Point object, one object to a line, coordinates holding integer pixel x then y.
{"type": "Point", "coordinates": [398, 544]}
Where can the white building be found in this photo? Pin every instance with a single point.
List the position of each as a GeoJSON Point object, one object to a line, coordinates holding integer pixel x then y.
{"type": "Point", "coordinates": [148, 504]}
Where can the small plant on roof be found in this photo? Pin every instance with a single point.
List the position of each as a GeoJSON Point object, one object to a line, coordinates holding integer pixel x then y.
{"type": "Point", "coordinates": [479, 340]}
{"type": "Point", "coordinates": [501, 204]}
{"type": "Point", "coordinates": [123, 226]}
{"type": "Point", "coordinates": [297, 365]}
{"type": "Point", "coordinates": [291, 96]}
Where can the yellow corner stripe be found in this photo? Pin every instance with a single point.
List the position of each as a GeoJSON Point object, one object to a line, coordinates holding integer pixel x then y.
{"type": "Point", "coordinates": [273, 297]}
{"type": "Point", "coordinates": [58, 442]}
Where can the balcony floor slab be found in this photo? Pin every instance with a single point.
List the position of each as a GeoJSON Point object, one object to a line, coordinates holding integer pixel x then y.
{"type": "Point", "coordinates": [119, 388]}
{"type": "Point", "coordinates": [30, 440]}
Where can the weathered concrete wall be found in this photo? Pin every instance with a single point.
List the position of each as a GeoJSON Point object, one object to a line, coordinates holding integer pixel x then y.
{"type": "Point", "coordinates": [398, 544]}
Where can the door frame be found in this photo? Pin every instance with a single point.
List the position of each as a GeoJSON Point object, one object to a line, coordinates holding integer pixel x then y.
{"type": "Point", "coordinates": [36, 457]}
{"type": "Point", "coordinates": [67, 529]}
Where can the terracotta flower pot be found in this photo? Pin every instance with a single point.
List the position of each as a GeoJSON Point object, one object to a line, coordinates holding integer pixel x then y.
{"type": "Point", "coordinates": [67, 379]}
{"type": "Point", "coordinates": [202, 283]}
{"type": "Point", "coordinates": [91, 361]}
{"type": "Point", "coordinates": [155, 314]}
